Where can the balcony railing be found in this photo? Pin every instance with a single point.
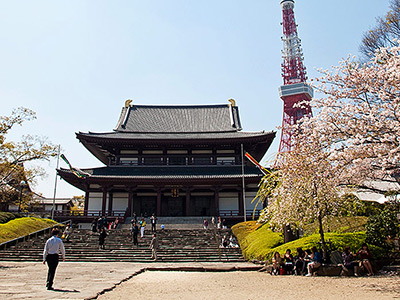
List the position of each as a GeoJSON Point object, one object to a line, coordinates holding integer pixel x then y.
{"type": "Point", "coordinates": [236, 213]}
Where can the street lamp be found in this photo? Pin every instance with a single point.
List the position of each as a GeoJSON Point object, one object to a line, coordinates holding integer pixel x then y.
{"type": "Point", "coordinates": [21, 187]}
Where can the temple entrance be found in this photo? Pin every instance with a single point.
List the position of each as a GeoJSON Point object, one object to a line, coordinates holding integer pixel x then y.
{"type": "Point", "coordinates": [201, 205]}
{"type": "Point", "coordinates": [175, 206]}
{"type": "Point", "coordinates": [145, 205]}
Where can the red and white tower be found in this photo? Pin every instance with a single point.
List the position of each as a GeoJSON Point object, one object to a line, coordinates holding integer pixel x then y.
{"type": "Point", "coordinates": [294, 89]}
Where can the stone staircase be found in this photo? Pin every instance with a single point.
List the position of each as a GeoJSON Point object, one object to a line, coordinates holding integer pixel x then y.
{"type": "Point", "coordinates": [175, 246]}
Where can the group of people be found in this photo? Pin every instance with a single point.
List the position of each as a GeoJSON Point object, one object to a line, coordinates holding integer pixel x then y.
{"type": "Point", "coordinates": [230, 242]}
{"type": "Point", "coordinates": [98, 224]}
{"type": "Point", "coordinates": [221, 223]}
{"type": "Point", "coordinates": [301, 264]}
{"type": "Point", "coordinates": [305, 262]}
{"type": "Point", "coordinates": [140, 226]}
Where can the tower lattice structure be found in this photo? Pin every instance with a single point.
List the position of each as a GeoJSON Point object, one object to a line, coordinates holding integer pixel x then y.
{"type": "Point", "coordinates": [294, 90]}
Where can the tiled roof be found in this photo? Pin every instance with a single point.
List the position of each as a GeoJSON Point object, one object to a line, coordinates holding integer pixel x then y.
{"type": "Point", "coordinates": [179, 119]}
{"type": "Point", "coordinates": [162, 172]}
{"type": "Point", "coordinates": [176, 136]}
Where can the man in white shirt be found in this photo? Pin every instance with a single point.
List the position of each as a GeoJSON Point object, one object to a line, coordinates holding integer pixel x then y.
{"type": "Point", "coordinates": [54, 246]}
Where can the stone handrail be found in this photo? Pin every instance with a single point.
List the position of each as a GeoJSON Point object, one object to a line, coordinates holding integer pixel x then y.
{"type": "Point", "coordinates": [24, 238]}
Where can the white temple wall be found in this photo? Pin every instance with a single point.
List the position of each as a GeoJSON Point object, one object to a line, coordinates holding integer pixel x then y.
{"type": "Point", "coordinates": [120, 201]}
{"type": "Point", "coordinates": [228, 201]}
{"type": "Point", "coordinates": [96, 201]}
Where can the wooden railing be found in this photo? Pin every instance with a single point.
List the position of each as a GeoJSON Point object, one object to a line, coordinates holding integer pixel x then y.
{"type": "Point", "coordinates": [236, 213]}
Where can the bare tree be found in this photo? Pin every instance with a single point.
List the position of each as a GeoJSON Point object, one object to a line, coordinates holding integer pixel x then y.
{"type": "Point", "coordinates": [384, 33]}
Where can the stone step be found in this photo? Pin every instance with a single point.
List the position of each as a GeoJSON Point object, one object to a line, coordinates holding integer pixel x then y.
{"type": "Point", "coordinates": [175, 246]}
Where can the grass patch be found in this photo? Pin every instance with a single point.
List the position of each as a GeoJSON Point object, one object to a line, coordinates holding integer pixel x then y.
{"type": "Point", "coordinates": [256, 240]}
{"type": "Point", "coordinates": [22, 226]}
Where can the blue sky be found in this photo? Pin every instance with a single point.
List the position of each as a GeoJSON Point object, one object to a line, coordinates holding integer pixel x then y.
{"type": "Point", "coordinates": [76, 62]}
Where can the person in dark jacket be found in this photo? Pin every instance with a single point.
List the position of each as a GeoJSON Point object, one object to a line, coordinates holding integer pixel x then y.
{"type": "Point", "coordinates": [135, 232]}
{"type": "Point", "coordinates": [299, 261]}
{"type": "Point", "coordinates": [102, 238]}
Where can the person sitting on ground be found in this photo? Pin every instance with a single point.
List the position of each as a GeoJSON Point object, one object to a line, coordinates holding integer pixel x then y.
{"type": "Point", "coordinates": [289, 262]}
{"type": "Point", "coordinates": [232, 242]}
{"type": "Point", "coordinates": [348, 261]}
{"type": "Point", "coordinates": [365, 256]}
{"type": "Point", "coordinates": [299, 261]}
{"type": "Point", "coordinates": [276, 263]}
{"type": "Point", "coordinates": [307, 260]}
{"type": "Point", "coordinates": [316, 260]}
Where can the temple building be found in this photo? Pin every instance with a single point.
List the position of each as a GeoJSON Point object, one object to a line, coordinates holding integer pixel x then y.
{"type": "Point", "coordinates": [172, 160]}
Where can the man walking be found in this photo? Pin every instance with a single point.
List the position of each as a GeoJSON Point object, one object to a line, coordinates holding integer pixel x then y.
{"type": "Point", "coordinates": [154, 247]}
{"type": "Point", "coordinates": [135, 232]}
{"type": "Point", "coordinates": [153, 220]}
{"type": "Point", "coordinates": [53, 247]}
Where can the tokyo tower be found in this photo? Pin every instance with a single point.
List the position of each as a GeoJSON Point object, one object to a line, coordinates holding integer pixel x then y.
{"type": "Point", "coordinates": [294, 89]}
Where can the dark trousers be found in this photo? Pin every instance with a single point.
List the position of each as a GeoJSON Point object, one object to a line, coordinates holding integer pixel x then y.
{"type": "Point", "coordinates": [135, 241]}
{"type": "Point", "coordinates": [153, 227]}
{"type": "Point", "coordinates": [52, 263]}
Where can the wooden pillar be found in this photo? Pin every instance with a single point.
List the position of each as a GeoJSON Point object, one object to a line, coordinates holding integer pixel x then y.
{"type": "Point", "coordinates": [241, 208]}
{"type": "Point", "coordinates": [130, 202]}
{"type": "Point", "coordinates": [216, 197]}
{"type": "Point", "coordinates": [103, 206]}
{"type": "Point", "coordinates": [86, 207]}
{"type": "Point", "coordinates": [159, 194]}
{"type": "Point", "coordinates": [110, 203]}
{"type": "Point", "coordinates": [187, 203]}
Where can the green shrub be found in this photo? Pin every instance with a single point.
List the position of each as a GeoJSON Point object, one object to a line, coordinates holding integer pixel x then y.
{"type": "Point", "coordinates": [256, 240]}
{"type": "Point", "coordinates": [22, 226]}
{"type": "Point", "coordinates": [242, 231]}
{"type": "Point", "coordinates": [336, 241]}
{"type": "Point", "coordinates": [260, 242]}
{"type": "Point", "coordinates": [381, 226]}
{"type": "Point", "coordinates": [7, 216]}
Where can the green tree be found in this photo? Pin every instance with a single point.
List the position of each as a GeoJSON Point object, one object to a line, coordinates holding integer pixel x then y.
{"type": "Point", "coordinates": [14, 156]}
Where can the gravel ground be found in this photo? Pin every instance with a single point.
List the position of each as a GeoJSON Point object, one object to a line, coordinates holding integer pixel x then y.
{"type": "Point", "coordinates": [252, 285]}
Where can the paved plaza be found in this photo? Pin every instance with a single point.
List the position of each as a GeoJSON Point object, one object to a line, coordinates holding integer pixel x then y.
{"type": "Point", "coordinates": [81, 280]}
{"type": "Point", "coordinates": [26, 280]}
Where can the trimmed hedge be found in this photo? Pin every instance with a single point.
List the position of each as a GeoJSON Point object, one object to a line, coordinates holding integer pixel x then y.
{"type": "Point", "coordinates": [339, 225]}
{"type": "Point", "coordinates": [7, 216]}
{"type": "Point", "coordinates": [259, 242]}
{"type": "Point", "coordinates": [22, 226]}
{"type": "Point", "coordinates": [256, 240]}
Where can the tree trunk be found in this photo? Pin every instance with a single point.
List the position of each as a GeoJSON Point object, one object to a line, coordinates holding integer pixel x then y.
{"type": "Point", "coordinates": [321, 233]}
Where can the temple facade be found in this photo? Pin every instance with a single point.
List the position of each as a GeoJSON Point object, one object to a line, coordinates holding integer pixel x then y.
{"type": "Point", "coordinates": [172, 161]}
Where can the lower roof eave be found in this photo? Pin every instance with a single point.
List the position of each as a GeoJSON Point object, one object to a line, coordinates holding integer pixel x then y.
{"type": "Point", "coordinates": [84, 184]}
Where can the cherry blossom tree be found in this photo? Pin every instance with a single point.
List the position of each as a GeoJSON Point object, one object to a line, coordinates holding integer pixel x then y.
{"type": "Point", "coordinates": [357, 123]}
{"type": "Point", "coordinates": [353, 137]}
